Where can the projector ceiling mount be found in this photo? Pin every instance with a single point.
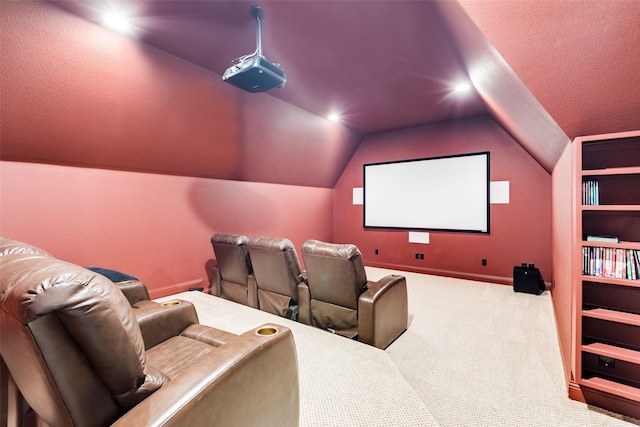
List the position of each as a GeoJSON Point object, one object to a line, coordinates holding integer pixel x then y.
{"type": "Point", "coordinates": [253, 72]}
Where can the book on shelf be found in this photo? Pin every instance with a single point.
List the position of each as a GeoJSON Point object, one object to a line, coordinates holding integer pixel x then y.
{"type": "Point", "coordinates": [631, 270]}
{"type": "Point", "coordinates": [606, 239]}
{"type": "Point", "coordinates": [590, 192]}
{"type": "Point", "coordinates": [616, 263]}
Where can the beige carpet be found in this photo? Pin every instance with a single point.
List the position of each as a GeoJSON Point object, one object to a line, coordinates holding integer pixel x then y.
{"type": "Point", "coordinates": [475, 354]}
{"type": "Point", "coordinates": [342, 382]}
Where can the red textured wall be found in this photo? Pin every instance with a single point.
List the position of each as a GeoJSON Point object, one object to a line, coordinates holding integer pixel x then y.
{"type": "Point", "coordinates": [155, 227]}
{"type": "Point", "coordinates": [520, 230]}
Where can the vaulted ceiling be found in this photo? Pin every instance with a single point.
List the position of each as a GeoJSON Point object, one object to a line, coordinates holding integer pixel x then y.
{"type": "Point", "coordinates": [548, 71]}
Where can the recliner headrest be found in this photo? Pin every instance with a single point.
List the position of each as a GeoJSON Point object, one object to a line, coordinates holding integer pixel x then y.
{"type": "Point", "coordinates": [271, 243]}
{"type": "Point", "coordinates": [229, 239]}
{"type": "Point", "coordinates": [336, 250]}
{"type": "Point", "coordinates": [9, 247]}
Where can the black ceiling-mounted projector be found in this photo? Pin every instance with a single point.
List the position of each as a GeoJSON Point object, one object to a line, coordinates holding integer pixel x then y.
{"type": "Point", "coordinates": [253, 72]}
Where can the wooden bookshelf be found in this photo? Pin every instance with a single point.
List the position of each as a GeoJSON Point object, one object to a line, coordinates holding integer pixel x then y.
{"type": "Point", "coordinates": [607, 323]}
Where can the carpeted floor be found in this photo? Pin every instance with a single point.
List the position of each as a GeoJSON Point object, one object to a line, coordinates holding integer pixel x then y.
{"type": "Point", "coordinates": [475, 354]}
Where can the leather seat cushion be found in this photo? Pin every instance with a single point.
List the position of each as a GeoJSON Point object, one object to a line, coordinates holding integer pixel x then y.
{"type": "Point", "coordinates": [175, 354]}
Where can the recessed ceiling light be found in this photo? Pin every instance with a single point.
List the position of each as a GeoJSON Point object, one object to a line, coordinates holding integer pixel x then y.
{"type": "Point", "coordinates": [334, 117]}
{"type": "Point", "coordinates": [462, 87]}
{"type": "Point", "coordinates": [118, 16]}
{"type": "Point", "coordinates": [118, 23]}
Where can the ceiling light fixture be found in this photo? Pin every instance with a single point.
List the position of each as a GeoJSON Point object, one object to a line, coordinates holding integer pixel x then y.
{"type": "Point", "coordinates": [253, 72]}
{"type": "Point", "coordinates": [117, 22]}
{"type": "Point", "coordinates": [334, 117]}
{"type": "Point", "coordinates": [462, 87]}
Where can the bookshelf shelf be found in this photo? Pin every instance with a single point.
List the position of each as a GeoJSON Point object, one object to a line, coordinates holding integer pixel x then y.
{"type": "Point", "coordinates": [601, 349]}
{"type": "Point", "coordinates": [612, 281]}
{"type": "Point", "coordinates": [619, 245]}
{"type": "Point", "coordinates": [606, 276]}
{"type": "Point", "coordinates": [614, 388]}
{"type": "Point", "coordinates": [606, 208]}
{"type": "Point", "coordinates": [613, 316]}
{"type": "Point", "coordinates": [611, 171]}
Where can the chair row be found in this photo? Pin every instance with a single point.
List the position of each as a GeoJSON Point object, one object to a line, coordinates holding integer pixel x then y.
{"type": "Point", "coordinates": [333, 293]}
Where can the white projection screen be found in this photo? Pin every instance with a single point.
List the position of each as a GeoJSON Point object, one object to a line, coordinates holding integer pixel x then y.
{"type": "Point", "coordinates": [441, 193]}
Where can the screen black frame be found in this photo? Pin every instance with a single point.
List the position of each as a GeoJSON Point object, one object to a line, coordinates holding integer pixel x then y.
{"type": "Point", "coordinates": [487, 155]}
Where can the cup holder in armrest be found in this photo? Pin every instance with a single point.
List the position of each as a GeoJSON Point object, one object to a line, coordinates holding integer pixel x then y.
{"type": "Point", "coordinates": [266, 331]}
{"type": "Point", "coordinates": [170, 303]}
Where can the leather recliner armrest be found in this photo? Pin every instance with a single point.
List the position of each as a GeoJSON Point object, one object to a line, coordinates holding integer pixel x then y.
{"type": "Point", "coordinates": [161, 321]}
{"type": "Point", "coordinates": [134, 290]}
{"type": "Point", "coordinates": [252, 291]}
{"type": "Point", "coordinates": [251, 380]}
{"type": "Point", "coordinates": [216, 279]}
{"type": "Point", "coordinates": [304, 303]}
{"type": "Point", "coordinates": [383, 311]}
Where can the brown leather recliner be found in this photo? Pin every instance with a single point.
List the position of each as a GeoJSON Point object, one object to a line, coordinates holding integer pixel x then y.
{"type": "Point", "coordinates": [233, 275]}
{"type": "Point", "coordinates": [74, 347]}
{"type": "Point", "coordinates": [337, 296]}
{"type": "Point", "coordinates": [277, 271]}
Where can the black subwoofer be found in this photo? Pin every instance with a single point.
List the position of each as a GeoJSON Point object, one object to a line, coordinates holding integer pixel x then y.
{"type": "Point", "coordinates": [527, 278]}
